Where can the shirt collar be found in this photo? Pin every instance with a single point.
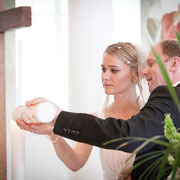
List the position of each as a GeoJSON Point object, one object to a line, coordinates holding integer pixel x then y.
{"type": "Point", "coordinates": [176, 83]}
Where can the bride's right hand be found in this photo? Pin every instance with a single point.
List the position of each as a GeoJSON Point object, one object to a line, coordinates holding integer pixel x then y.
{"type": "Point", "coordinates": [37, 100]}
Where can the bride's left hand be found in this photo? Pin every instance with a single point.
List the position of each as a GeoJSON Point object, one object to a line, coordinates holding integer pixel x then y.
{"type": "Point", "coordinates": [37, 128]}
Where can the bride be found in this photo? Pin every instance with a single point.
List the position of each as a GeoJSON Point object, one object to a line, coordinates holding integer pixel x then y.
{"type": "Point", "coordinates": [120, 77]}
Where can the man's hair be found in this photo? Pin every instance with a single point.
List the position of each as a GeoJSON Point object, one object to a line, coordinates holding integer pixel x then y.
{"type": "Point", "coordinates": [170, 47]}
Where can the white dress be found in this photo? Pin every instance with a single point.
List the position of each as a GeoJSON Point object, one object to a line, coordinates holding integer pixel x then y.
{"type": "Point", "coordinates": [113, 161]}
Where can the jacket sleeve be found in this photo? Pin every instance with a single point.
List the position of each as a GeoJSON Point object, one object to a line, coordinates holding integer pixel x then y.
{"type": "Point", "coordinates": [95, 131]}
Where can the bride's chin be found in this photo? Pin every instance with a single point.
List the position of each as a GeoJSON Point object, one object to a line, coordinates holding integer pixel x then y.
{"type": "Point", "coordinates": [108, 93]}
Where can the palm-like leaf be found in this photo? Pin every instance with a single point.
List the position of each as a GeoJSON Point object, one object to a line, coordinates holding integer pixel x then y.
{"type": "Point", "coordinates": [178, 38]}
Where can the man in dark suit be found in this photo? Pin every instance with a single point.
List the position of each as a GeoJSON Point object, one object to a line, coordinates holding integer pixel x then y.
{"type": "Point", "coordinates": [147, 123]}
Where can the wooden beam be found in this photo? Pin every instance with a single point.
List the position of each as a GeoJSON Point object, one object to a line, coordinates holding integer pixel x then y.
{"type": "Point", "coordinates": [3, 154]}
{"type": "Point", "coordinates": [15, 18]}
{"type": "Point", "coordinates": [3, 164]}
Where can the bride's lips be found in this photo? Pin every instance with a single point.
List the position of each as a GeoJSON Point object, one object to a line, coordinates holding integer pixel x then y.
{"type": "Point", "coordinates": [107, 85]}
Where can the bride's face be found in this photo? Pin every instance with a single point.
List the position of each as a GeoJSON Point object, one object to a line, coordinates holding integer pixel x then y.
{"type": "Point", "coordinates": [116, 75]}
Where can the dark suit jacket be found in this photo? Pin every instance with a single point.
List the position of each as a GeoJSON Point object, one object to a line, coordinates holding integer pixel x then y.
{"type": "Point", "coordinates": [147, 123]}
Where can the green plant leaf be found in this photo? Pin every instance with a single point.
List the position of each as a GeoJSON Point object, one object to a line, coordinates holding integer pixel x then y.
{"type": "Point", "coordinates": [152, 168]}
{"type": "Point", "coordinates": [147, 159]}
{"type": "Point", "coordinates": [148, 169]}
{"type": "Point", "coordinates": [160, 152]}
{"type": "Point", "coordinates": [164, 162]}
{"type": "Point", "coordinates": [166, 77]}
{"type": "Point", "coordinates": [178, 38]}
{"type": "Point", "coordinates": [170, 130]}
{"type": "Point", "coordinates": [176, 164]}
{"type": "Point", "coordinates": [136, 139]}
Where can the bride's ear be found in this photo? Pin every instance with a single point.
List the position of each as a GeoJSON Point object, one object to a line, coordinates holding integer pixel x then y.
{"type": "Point", "coordinates": [135, 76]}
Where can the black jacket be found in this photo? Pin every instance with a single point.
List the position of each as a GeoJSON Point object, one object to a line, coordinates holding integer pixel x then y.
{"type": "Point", "coordinates": [147, 123]}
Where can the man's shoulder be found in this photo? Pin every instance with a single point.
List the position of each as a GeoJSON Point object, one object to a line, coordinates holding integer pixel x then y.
{"type": "Point", "coordinates": [163, 92]}
{"type": "Point", "coordinates": [160, 90]}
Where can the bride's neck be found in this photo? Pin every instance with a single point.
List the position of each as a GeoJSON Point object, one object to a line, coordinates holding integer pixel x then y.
{"type": "Point", "coordinates": [124, 106]}
{"type": "Point", "coordinates": [126, 100]}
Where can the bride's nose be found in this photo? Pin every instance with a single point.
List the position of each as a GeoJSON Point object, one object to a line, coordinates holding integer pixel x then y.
{"type": "Point", "coordinates": [106, 75]}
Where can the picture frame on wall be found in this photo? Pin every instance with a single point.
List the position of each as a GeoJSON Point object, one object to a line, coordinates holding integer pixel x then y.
{"type": "Point", "coordinates": [159, 20]}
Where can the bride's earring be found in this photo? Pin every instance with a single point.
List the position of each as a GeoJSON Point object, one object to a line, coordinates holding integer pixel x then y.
{"type": "Point", "coordinates": [133, 80]}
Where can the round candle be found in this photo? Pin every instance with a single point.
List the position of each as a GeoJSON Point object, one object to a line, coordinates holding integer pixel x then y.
{"type": "Point", "coordinates": [41, 112]}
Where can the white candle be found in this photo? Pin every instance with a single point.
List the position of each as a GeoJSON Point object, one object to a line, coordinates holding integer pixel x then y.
{"type": "Point", "coordinates": [17, 152]}
{"type": "Point", "coordinates": [41, 112]}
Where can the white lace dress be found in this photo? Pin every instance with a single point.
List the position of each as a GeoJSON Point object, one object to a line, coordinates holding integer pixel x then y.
{"type": "Point", "coordinates": [113, 161]}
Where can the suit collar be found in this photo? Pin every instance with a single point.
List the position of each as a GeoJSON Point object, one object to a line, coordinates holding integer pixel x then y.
{"type": "Point", "coordinates": [177, 84]}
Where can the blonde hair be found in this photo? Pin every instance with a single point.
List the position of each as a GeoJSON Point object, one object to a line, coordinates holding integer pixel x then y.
{"type": "Point", "coordinates": [127, 53]}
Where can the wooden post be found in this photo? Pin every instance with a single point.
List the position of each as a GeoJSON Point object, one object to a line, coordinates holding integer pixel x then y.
{"type": "Point", "coordinates": [3, 163]}
{"type": "Point", "coordinates": [9, 19]}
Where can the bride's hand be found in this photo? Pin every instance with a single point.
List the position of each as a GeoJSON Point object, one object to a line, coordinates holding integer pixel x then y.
{"type": "Point", "coordinates": [35, 101]}
{"type": "Point", "coordinates": [37, 128]}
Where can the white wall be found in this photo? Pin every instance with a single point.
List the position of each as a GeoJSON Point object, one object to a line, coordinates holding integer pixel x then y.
{"type": "Point", "coordinates": [90, 31]}
{"type": "Point", "coordinates": [127, 21]}
{"type": "Point", "coordinates": [10, 91]}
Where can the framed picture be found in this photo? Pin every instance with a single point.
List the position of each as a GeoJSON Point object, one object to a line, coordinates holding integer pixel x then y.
{"type": "Point", "coordinates": [159, 20]}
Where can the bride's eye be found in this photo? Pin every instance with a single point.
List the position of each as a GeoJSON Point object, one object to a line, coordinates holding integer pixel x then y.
{"type": "Point", "coordinates": [114, 70]}
{"type": "Point", "coordinates": [103, 69]}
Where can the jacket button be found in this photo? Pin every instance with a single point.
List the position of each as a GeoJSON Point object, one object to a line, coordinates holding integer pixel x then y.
{"type": "Point", "coordinates": [64, 130]}
{"type": "Point", "coordinates": [68, 131]}
{"type": "Point", "coordinates": [73, 132]}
